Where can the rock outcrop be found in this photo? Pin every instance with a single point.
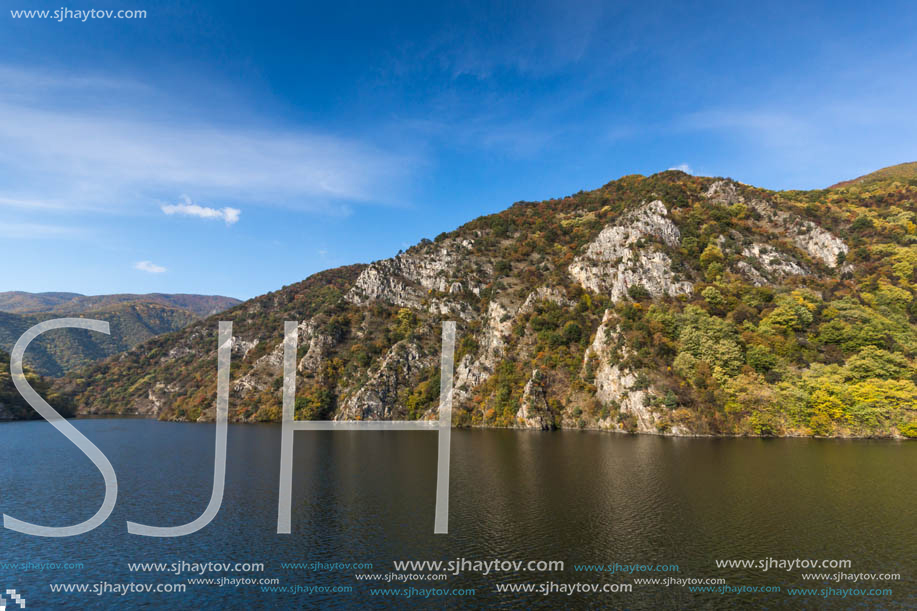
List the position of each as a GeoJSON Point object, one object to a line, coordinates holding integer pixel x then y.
{"type": "Point", "coordinates": [616, 387]}
{"type": "Point", "coordinates": [626, 255]}
{"type": "Point", "coordinates": [408, 279]}
{"type": "Point", "coordinates": [765, 264]}
{"type": "Point", "coordinates": [474, 369]}
{"type": "Point", "coordinates": [535, 412]}
{"type": "Point", "coordinates": [377, 399]}
{"type": "Point", "coordinates": [819, 243]}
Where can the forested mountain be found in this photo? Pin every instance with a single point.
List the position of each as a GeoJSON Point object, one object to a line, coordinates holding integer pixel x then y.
{"type": "Point", "coordinates": [905, 173]}
{"type": "Point", "coordinates": [670, 304]}
{"type": "Point", "coordinates": [65, 304]}
{"type": "Point", "coordinates": [133, 319]}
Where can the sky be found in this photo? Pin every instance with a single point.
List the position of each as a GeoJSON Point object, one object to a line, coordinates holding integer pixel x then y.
{"type": "Point", "coordinates": [236, 147]}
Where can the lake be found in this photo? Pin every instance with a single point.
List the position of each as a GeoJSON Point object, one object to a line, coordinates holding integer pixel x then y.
{"type": "Point", "coordinates": [583, 498]}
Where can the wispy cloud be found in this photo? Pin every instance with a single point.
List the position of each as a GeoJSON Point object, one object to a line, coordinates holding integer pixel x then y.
{"type": "Point", "coordinates": [149, 266]}
{"type": "Point", "coordinates": [31, 204]}
{"type": "Point", "coordinates": [32, 231]}
{"type": "Point", "coordinates": [769, 126]}
{"type": "Point", "coordinates": [92, 159]}
{"type": "Point", "coordinates": [485, 40]}
{"type": "Point", "coordinates": [683, 167]}
{"type": "Point", "coordinates": [229, 215]}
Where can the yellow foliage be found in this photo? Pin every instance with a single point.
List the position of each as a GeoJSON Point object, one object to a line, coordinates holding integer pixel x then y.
{"type": "Point", "coordinates": [827, 403]}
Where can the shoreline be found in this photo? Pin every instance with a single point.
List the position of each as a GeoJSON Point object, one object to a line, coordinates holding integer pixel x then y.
{"type": "Point", "coordinates": [509, 428]}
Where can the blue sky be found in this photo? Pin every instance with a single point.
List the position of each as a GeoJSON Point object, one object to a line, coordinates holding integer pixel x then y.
{"type": "Point", "coordinates": [232, 148]}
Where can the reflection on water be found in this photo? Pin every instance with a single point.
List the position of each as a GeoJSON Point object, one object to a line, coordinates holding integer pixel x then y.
{"type": "Point", "coordinates": [580, 497]}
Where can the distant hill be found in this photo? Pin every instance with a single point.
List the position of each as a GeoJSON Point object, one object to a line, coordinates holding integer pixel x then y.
{"type": "Point", "coordinates": [133, 320]}
{"type": "Point", "coordinates": [19, 302]}
{"type": "Point", "coordinates": [903, 172]}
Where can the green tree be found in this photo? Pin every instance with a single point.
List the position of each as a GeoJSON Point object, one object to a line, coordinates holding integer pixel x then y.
{"type": "Point", "coordinates": [714, 298]}
{"type": "Point", "coordinates": [873, 362]}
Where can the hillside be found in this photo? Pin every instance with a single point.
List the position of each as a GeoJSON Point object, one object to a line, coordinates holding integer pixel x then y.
{"type": "Point", "coordinates": [133, 319]}
{"type": "Point", "coordinates": [903, 172]}
{"type": "Point", "coordinates": [668, 304]}
{"type": "Point", "coordinates": [14, 407]}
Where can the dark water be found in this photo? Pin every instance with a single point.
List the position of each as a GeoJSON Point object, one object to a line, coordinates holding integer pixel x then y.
{"type": "Point", "coordinates": [368, 497]}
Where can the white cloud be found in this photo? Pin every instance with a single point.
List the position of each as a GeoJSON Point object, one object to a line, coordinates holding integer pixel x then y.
{"type": "Point", "coordinates": [683, 167]}
{"type": "Point", "coordinates": [229, 215]}
{"type": "Point", "coordinates": [52, 152]}
{"type": "Point", "coordinates": [149, 266]}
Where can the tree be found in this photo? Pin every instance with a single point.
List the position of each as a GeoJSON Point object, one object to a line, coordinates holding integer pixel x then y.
{"type": "Point", "coordinates": [711, 254]}
{"type": "Point", "coordinates": [573, 333]}
{"type": "Point", "coordinates": [873, 362]}
{"type": "Point", "coordinates": [407, 320]}
{"type": "Point", "coordinates": [714, 298]}
{"type": "Point", "coordinates": [760, 359]}
{"type": "Point", "coordinates": [711, 339]}
{"type": "Point", "coordinates": [638, 292]}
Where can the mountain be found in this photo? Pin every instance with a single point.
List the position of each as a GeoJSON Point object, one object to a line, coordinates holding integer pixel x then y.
{"type": "Point", "coordinates": [14, 407]}
{"type": "Point", "coordinates": [133, 319]}
{"type": "Point", "coordinates": [903, 172]}
{"type": "Point", "coordinates": [65, 304]}
{"type": "Point", "coordinates": [668, 304]}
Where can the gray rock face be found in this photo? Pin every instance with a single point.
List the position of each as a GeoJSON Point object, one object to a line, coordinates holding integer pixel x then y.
{"type": "Point", "coordinates": [473, 370]}
{"type": "Point", "coordinates": [377, 399]}
{"type": "Point", "coordinates": [544, 293]}
{"type": "Point", "coordinates": [262, 373]}
{"type": "Point", "coordinates": [621, 256]}
{"type": "Point", "coordinates": [724, 192]}
{"type": "Point", "coordinates": [615, 385]}
{"type": "Point", "coordinates": [240, 347]}
{"type": "Point", "coordinates": [270, 366]}
{"type": "Point", "coordinates": [318, 348]}
{"type": "Point", "coordinates": [407, 279]}
{"type": "Point", "coordinates": [749, 271]}
{"type": "Point", "coordinates": [765, 264]}
{"type": "Point", "coordinates": [535, 412]}
{"type": "Point", "coordinates": [819, 243]}
{"type": "Point", "coordinates": [159, 396]}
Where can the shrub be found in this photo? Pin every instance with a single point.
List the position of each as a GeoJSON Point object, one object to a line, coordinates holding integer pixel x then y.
{"type": "Point", "coordinates": [821, 425]}
{"type": "Point", "coordinates": [670, 400]}
{"type": "Point", "coordinates": [711, 254]}
{"type": "Point", "coordinates": [638, 292]}
{"type": "Point", "coordinates": [573, 333]}
{"type": "Point", "coordinates": [760, 359]}
{"type": "Point", "coordinates": [862, 223]}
